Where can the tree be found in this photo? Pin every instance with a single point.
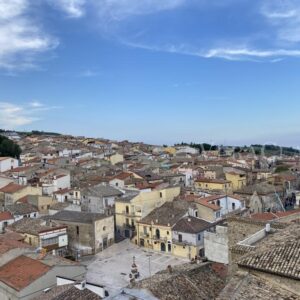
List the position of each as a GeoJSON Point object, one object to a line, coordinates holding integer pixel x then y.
{"type": "Point", "coordinates": [9, 148]}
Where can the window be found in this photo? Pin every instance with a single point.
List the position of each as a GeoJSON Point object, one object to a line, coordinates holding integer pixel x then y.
{"type": "Point", "coordinates": [127, 209]}
{"type": "Point", "coordinates": [145, 229]}
{"type": "Point", "coordinates": [168, 233]}
{"type": "Point", "coordinates": [199, 237]}
{"type": "Point", "coordinates": [160, 195]}
{"type": "Point", "coordinates": [77, 230]}
{"type": "Point", "coordinates": [157, 233]}
{"type": "Point", "coordinates": [117, 183]}
{"type": "Point", "coordinates": [51, 241]}
{"type": "Point", "coordinates": [233, 206]}
{"type": "Point", "coordinates": [127, 221]}
{"type": "Point", "coordinates": [180, 238]}
{"type": "Point", "coordinates": [196, 213]}
{"type": "Point", "coordinates": [104, 228]}
{"type": "Point", "coordinates": [218, 202]}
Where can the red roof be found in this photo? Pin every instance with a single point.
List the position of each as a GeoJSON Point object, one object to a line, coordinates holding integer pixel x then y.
{"type": "Point", "coordinates": [23, 200]}
{"type": "Point", "coordinates": [22, 271]}
{"type": "Point", "coordinates": [122, 176]}
{"type": "Point", "coordinates": [7, 243]}
{"type": "Point", "coordinates": [205, 202]}
{"type": "Point", "coordinates": [12, 188]}
{"type": "Point", "coordinates": [268, 216]}
{"type": "Point", "coordinates": [5, 215]}
{"type": "Point", "coordinates": [63, 191]}
{"type": "Point", "coordinates": [19, 169]}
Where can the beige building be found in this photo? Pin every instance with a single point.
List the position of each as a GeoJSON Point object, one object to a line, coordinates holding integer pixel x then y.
{"type": "Point", "coordinates": [88, 233]}
{"type": "Point", "coordinates": [12, 192]}
{"type": "Point", "coordinates": [42, 203]}
{"type": "Point", "coordinates": [134, 207]}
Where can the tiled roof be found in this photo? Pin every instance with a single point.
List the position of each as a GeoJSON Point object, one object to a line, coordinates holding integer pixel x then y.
{"type": "Point", "coordinates": [191, 225]}
{"type": "Point", "coordinates": [78, 217]}
{"type": "Point", "coordinates": [33, 226]}
{"type": "Point", "coordinates": [168, 214]}
{"type": "Point", "coordinates": [5, 215]}
{"type": "Point", "coordinates": [22, 271]}
{"type": "Point", "coordinates": [12, 188]}
{"type": "Point", "coordinates": [74, 293]}
{"type": "Point", "coordinates": [207, 201]}
{"type": "Point", "coordinates": [245, 286]}
{"type": "Point", "coordinates": [282, 260]}
{"type": "Point", "coordinates": [21, 208]}
{"type": "Point", "coordinates": [7, 244]}
{"type": "Point", "coordinates": [63, 191]}
{"type": "Point", "coordinates": [122, 176]}
{"type": "Point", "coordinates": [268, 216]}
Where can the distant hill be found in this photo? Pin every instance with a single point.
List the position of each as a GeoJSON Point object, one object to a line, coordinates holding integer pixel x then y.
{"type": "Point", "coordinates": [269, 150]}
{"type": "Point", "coordinates": [33, 132]}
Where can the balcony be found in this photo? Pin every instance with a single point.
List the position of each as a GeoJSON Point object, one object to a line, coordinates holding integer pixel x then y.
{"type": "Point", "coordinates": [160, 238]}
{"type": "Point", "coordinates": [144, 235]}
{"type": "Point", "coordinates": [128, 214]}
{"type": "Point", "coordinates": [182, 242]}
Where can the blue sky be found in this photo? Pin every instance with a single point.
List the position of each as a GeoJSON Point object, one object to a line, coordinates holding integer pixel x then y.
{"type": "Point", "coordinates": [225, 72]}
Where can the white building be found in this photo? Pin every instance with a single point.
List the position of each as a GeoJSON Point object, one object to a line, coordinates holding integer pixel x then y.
{"type": "Point", "coordinates": [187, 150]}
{"type": "Point", "coordinates": [8, 163]}
{"type": "Point", "coordinates": [56, 183]}
{"type": "Point", "coordinates": [216, 245]}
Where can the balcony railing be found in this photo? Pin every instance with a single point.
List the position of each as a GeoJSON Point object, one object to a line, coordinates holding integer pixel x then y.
{"type": "Point", "coordinates": [160, 238]}
{"type": "Point", "coordinates": [182, 242]}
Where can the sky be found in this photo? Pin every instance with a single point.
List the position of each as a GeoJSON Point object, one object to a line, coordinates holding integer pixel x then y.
{"type": "Point", "coordinates": [217, 71]}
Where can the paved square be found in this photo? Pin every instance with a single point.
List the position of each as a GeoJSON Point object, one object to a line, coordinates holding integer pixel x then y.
{"type": "Point", "coordinates": [112, 267]}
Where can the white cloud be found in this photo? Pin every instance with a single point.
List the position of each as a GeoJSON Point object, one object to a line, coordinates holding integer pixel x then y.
{"type": "Point", "coordinates": [88, 73]}
{"type": "Point", "coordinates": [14, 115]}
{"type": "Point", "coordinates": [12, 8]}
{"type": "Point", "coordinates": [122, 9]}
{"type": "Point", "coordinates": [36, 104]}
{"type": "Point", "coordinates": [73, 8]}
{"type": "Point", "coordinates": [21, 39]}
{"type": "Point", "coordinates": [244, 53]}
{"type": "Point", "coordinates": [236, 53]}
{"type": "Point", "coordinates": [285, 17]}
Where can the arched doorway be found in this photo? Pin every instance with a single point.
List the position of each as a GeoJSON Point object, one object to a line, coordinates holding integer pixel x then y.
{"type": "Point", "coordinates": [169, 247]}
{"type": "Point", "coordinates": [163, 247]}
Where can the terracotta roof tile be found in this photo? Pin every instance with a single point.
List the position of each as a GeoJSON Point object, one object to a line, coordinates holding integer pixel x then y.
{"type": "Point", "coordinates": [5, 215]}
{"type": "Point", "coordinates": [283, 260]}
{"type": "Point", "coordinates": [12, 188]}
{"type": "Point", "coordinates": [22, 271]}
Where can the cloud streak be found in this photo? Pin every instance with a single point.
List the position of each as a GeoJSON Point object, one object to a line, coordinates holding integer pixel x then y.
{"type": "Point", "coordinates": [72, 8]}
{"type": "Point", "coordinates": [13, 115]}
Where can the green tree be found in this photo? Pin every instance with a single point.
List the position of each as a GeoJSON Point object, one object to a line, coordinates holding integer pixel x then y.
{"type": "Point", "coordinates": [9, 148]}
